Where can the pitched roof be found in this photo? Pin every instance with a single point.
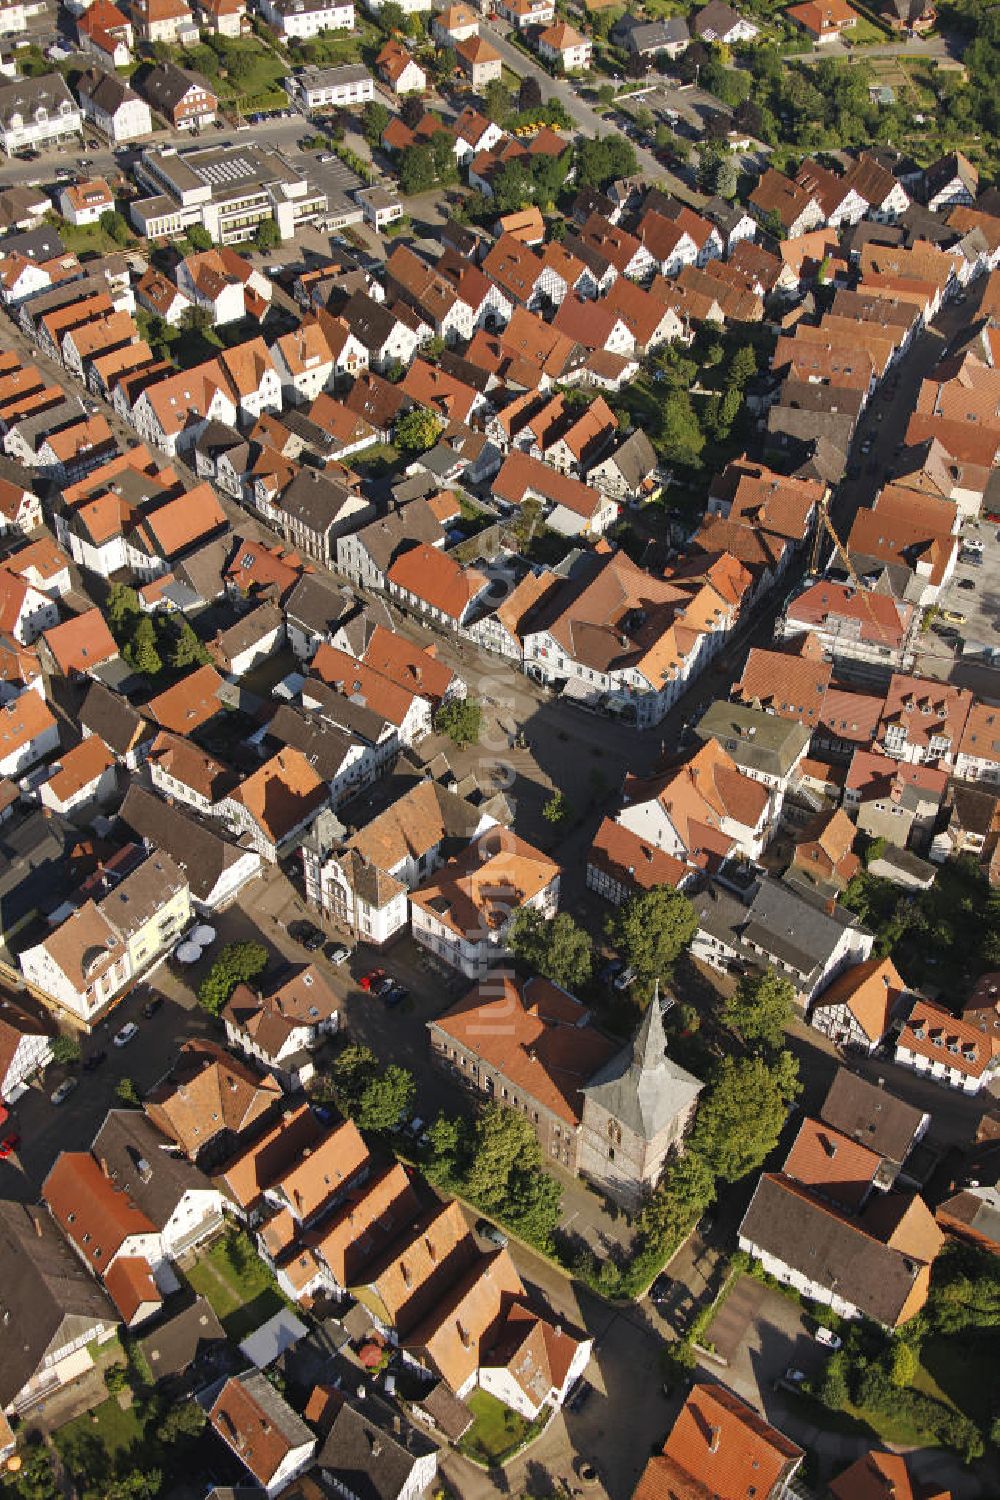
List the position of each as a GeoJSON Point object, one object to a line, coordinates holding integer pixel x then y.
{"type": "Point", "coordinates": [835, 1166]}
{"type": "Point", "coordinates": [79, 768]}
{"type": "Point", "coordinates": [932, 1032]}
{"type": "Point", "coordinates": [725, 1447]}
{"type": "Point", "coordinates": [437, 579]}
{"type": "Point", "coordinates": [412, 1274]}
{"type": "Point", "coordinates": [630, 860]}
{"type": "Point", "coordinates": [258, 1425]}
{"type": "Point", "coordinates": [93, 1212]}
{"type": "Point", "coordinates": [190, 703]}
{"type": "Point", "coordinates": [871, 991]}
{"type": "Point", "coordinates": [282, 793]}
{"type": "Point", "coordinates": [210, 1093]}
{"type": "Point", "coordinates": [186, 763]}
{"type": "Point", "coordinates": [82, 643]}
{"type": "Point", "coordinates": [464, 1323]}
{"type": "Point", "coordinates": [371, 1217]}
{"type": "Point", "coordinates": [882, 1476]}
{"type": "Point", "coordinates": [480, 889]}
{"type": "Point", "coordinates": [880, 1120]}
{"type": "Point", "coordinates": [269, 1157]}
{"type": "Point", "coordinates": [641, 1086]}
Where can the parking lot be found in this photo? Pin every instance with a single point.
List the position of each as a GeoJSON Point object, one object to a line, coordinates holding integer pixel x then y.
{"type": "Point", "coordinates": [961, 642]}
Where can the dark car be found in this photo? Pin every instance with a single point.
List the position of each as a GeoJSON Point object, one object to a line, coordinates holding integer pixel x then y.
{"type": "Point", "coordinates": [395, 995]}
{"type": "Point", "coordinates": [151, 1006]}
{"type": "Point", "coordinates": [382, 987]}
{"type": "Point", "coordinates": [661, 1288]}
{"type": "Point", "coordinates": [966, 583]}
{"type": "Point", "coordinates": [308, 934]}
{"type": "Point", "coordinates": [94, 1061]}
{"type": "Point", "coordinates": [580, 1396]}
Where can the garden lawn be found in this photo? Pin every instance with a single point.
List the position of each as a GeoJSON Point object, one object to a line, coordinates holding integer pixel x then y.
{"type": "Point", "coordinates": [115, 1430]}
{"type": "Point", "coordinates": [496, 1431]}
{"type": "Point", "coordinates": [238, 1286]}
{"type": "Point", "coordinates": [962, 1373]}
{"type": "Point", "coordinates": [82, 238]}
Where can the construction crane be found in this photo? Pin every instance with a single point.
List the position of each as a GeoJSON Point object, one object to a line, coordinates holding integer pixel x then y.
{"type": "Point", "coordinates": [823, 523]}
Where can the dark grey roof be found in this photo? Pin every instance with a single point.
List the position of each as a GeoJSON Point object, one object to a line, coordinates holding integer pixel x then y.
{"type": "Point", "coordinates": [792, 928]}
{"type": "Point", "coordinates": [978, 1209]}
{"type": "Point", "coordinates": [197, 846]}
{"type": "Point", "coordinates": [217, 438]}
{"type": "Point", "coordinates": [165, 85]}
{"type": "Point", "coordinates": [315, 500]}
{"type": "Point", "coordinates": [45, 1291]}
{"type": "Point", "coordinates": [974, 807]}
{"type": "Point", "coordinates": [203, 570]}
{"type": "Point", "coordinates": [447, 1413]}
{"type": "Point", "coordinates": [155, 1178]}
{"type": "Point", "coordinates": [649, 36]}
{"type": "Point", "coordinates": [724, 215]}
{"type": "Point", "coordinates": [945, 169]}
{"type": "Point", "coordinates": [324, 745]}
{"type": "Point", "coordinates": [871, 1115]}
{"type": "Point", "coordinates": [192, 1336]}
{"type": "Point", "coordinates": [249, 629]}
{"type": "Point", "coordinates": [385, 538]}
{"type": "Point", "coordinates": [829, 1248]}
{"type": "Point", "coordinates": [370, 322]}
{"type": "Point", "coordinates": [23, 96]}
{"type": "Point", "coordinates": [319, 604]}
{"type": "Point", "coordinates": [34, 871]}
{"type": "Point", "coordinates": [363, 1454]}
{"type": "Point", "coordinates": [342, 711]}
{"type": "Point", "coordinates": [801, 395]}
{"type": "Point", "coordinates": [756, 740]}
{"type": "Point", "coordinates": [42, 243]}
{"type": "Point", "coordinates": [635, 458]}
{"type": "Point", "coordinates": [641, 1086]}
{"type": "Point", "coordinates": [106, 91]}
{"type": "Point", "coordinates": [111, 718]}
{"type": "Point", "coordinates": [716, 16]}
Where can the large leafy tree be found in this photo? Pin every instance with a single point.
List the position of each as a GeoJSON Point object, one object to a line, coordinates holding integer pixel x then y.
{"type": "Point", "coordinates": [760, 1008]}
{"type": "Point", "coordinates": [375, 1096]}
{"type": "Point", "coordinates": [417, 430]}
{"type": "Point", "coordinates": [740, 1119]}
{"type": "Point", "coordinates": [556, 947]}
{"type": "Point", "coordinates": [652, 930]}
{"type": "Point", "coordinates": [238, 963]}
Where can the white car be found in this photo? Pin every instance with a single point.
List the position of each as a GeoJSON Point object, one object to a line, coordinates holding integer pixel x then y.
{"type": "Point", "coordinates": [830, 1339]}
{"type": "Point", "coordinates": [64, 1090]}
{"type": "Point", "coordinates": [340, 955]}
{"type": "Point", "coordinates": [128, 1033]}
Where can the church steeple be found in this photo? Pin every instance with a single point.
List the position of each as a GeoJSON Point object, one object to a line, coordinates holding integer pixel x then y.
{"type": "Point", "coordinates": [650, 1042]}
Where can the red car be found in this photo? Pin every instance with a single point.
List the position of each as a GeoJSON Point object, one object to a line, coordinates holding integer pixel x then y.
{"type": "Point", "coordinates": [372, 980]}
{"type": "Point", "coordinates": [9, 1144]}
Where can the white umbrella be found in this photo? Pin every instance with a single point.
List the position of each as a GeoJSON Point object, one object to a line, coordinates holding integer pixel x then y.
{"type": "Point", "coordinates": [188, 953]}
{"type": "Point", "coordinates": [203, 935]}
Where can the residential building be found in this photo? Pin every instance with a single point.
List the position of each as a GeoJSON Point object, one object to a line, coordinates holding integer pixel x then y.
{"type": "Point", "coordinates": [224, 284]}
{"type": "Point", "coordinates": [769, 925]}
{"type": "Point", "coordinates": [856, 1010]}
{"type": "Point", "coordinates": [877, 1119]}
{"type": "Point", "coordinates": [720, 1446]}
{"type": "Point", "coordinates": [275, 804]}
{"type": "Point", "coordinates": [435, 585]}
{"type": "Point", "coordinates": [180, 1200]}
{"type": "Point", "coordinates": [954, 1051]}
{"type": "Point", "coordinates": [211, 1104]}
{"type": "Point", "coordinates": [304, 19]}
{"type": "Point", "coordinates": [399, 69]}
{"type": "Point", "coordinates": [167, 21]}
{"type": "Point", "coordinates": [566, 47]}
{"type": "Point", "coordinates": [649, 38]}
{"type": "Point", "coordinates": [877, 1474]}
{"type": "Point", "coordinates": [55, 1312]}
{"type": "Point", "coordinates": [217, 867]}
{"type": "Point", "coordinates": [282, 1027]}
{"type": "Point", "coordinates": [719, 22]}
{"type": "Point", "coordinates": [37, 112]}
{"type": "Point", "coordinates": [861, 632]}
{"type": "Point", "coordinates": [28, 733]}
{"type": "Point", "coordinates": [332, 88]}
{"type": "Point", "coordinates": [25, 1049]}
{"type": "Point", "coordinates": [184, 97]}
{"type": "Point", "coordinates": [704, 806]}
{"type": "Point", "coordinates": [262, 1430]}
{"type": "Point", "coordinates": [462, 913]}
{"type": "Point", "coordinates": [84, 202]}
{"type": "Point", "coordinates": [83, 780]}
{"type": "Point", "coordinates": [823, 20]}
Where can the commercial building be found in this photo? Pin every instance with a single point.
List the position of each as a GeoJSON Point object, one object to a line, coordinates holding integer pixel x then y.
{"type": "Point", "coordinates": [229, 190]}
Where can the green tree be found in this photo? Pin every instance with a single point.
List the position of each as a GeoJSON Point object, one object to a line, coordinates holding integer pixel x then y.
{"type": "Point", "coordinates": [903, 1363]}
{"type": "Point", "coordinates": [127, 1093]}
{"type": "Point", "coordinates": [502, 1140]}
{"type": "Point", "coordinates": [187, 649]}
{"type": "Point", "coordinates": [681, 437]}
{"type": "Point", "coordinates": [392, 17]}
{"type": "Point", "coordinates": [760, 1008]}
{"type": "Point", "coordinates": [529, 95]}
{"type": "Point", "coordinates": [116, 1379]}
{"type": "Point", "coordinates": [461, 720]}
{"type": "Point", "coordinates": [496, 101]}
{"type": "Point", "coordinates": [740, 1120]}
{"type": "Point", "coordinates": [686, 1190]}
{"type": "Point", "coordinates": [446, 1143]}
{"type": "Point", "coordinates": [652, 930]}
{"type": "Point", "coordinates": [238, 963]}
{"type": "Point", "coordinates": [199, 237]}
{"type": "Point", "coordinates": [727, 178]}
{"type": "Point", "coordinates": [442, 144]}
{"type": "Point", "coordinates": [137, 1484]}
{"type": "Point", "coordinates": [374, 118]}
{"type": "Point", "coordinates": [558, 809]}
{"type": "Point", "coordinates": [115, 225]}
{"type": "Point", "coordinates": [374, 1096]}
{"type": "Point", "coordinates": [35, 1479]}
{"type": "Point", "coordinates": [267, 236]}
{"type": "Point", "coordinates": [417, 430]}
{"type": "Point", "coordinates": [831, 1387]}
{"type": "Point", "coordinates": [742, 367]}
{"type": "Point", "coordinates": [197, 319]}
{"type": "Point", "coordinates": [65, 1049]}
{"type": "Point", "coordinates": [141, 651]}
{"type": "Point", "coordinates": [183, 1420]}
{"type": "Point", "coordinates": [554, 947]}
{"type": "Point", "coordinates": [121, 610]}
{"type": "Point", "coordinates": [513, 188]}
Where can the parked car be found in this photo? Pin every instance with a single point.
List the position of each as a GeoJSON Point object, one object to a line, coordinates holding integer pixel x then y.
{"type": "Point", "coordinates": [308, 934]}
{"type": "Point", "coordinates": [661, 1288]}
{"type": "Point", "coordinates": [395, 995]}
{"type": "Point", "coordinates": [338, 954]}
{"type": "Point", "coordinates": [62, 1093]}
{"type": "Point", "coordinates": [94, 1060]}
{"type": "Point", "coordinates": [828, 1338]}
{"type": "Point", "coordinates": [580, 1395]}
{"type": "Point", "coordinates": [491, 1232]}
{"type": "Point", "coordinates": [151, 1006]}
{"type": "Point", "coordinates": [9, 1144]}
{"type": "Point", "coordinates": [371, 979]}
{"type": "Point", "coordinates": [966, 583]}
{"type": "Point", "coordinates": [625, 978]}
{"type": "Point", "coordinates": [382, 987]}
{"type": "Point", "coordinates": [128, 1033]}
{"type": "Point", "coordinates": [794, 1376]}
